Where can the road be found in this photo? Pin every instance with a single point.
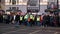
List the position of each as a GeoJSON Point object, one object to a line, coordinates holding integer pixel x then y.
{"type": "Point", "coordinates": [10, 29]}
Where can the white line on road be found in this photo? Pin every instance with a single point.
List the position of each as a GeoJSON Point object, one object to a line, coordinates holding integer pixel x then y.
{"type": "Point", "coordinates": [14, 31]}
{"type": "Point", "coordinates": [55, 32]}
{"type": "Point", "coordinates": [35, 32]}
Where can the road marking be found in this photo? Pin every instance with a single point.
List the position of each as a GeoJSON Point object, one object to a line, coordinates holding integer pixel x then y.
{"type": "Point", "coordinates": [55, 32]}
{"type": "Point", "coordinates": [14, 31]}
{"type": "Point", "coordinates": [35, 32]}
{"type": "Point", "coordinates": [48, 31]}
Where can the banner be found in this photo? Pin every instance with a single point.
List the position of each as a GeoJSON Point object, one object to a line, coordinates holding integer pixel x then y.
{"type": "Point", "coordinates": [33, 4]}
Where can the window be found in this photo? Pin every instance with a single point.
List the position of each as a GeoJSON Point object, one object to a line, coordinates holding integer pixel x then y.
{"type": "Point", "coordinates": [16, 2]}
{"type": "Point", "coordinates": [7, 2]}
{"type": "Point", "coordinates": [32, 2]}
{"type": "Point", "coordinates": [33, 6]}
{"type": "Point", "coordinates": [13, 8]}
{"type": "Point", "coordinates": [10, 1]}
{"type": "Point", "coordinates": [13, 2]}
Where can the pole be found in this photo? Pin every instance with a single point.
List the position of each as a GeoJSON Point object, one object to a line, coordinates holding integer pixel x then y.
{"type": "Point", "coordinates": [57, 4]}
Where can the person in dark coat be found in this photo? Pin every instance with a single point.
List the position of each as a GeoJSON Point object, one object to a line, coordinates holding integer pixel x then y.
{"type": "Point", "coordinates": [8, 19]}
{"type": "Point", "coordinates": [51, 20]}
{"type": "Point", "coordinates": [59, 20]}
{"type": "Point", "coordinates": [1, 18]}
{"type": "Point", "coordinates": [17, 18]}
{"type": "Point", "coordinates": [46, 20]}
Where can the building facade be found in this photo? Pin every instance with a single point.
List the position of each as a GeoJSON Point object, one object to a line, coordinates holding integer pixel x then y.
{"type": "Point", "coordinates": [22, 5]}
{"type": "Point", "coordinates": [2, 4]}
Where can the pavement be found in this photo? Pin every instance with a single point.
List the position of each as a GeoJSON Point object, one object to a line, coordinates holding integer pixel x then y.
{"type": "Point", "coordinates": [11, 29]}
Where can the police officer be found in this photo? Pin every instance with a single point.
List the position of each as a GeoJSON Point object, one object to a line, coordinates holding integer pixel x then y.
{"type": "Point", "coordinates": [26, 19]}
{"type": "Point", "coordinates": [31, 20]}
{"type": "Point", "coordinates": [38, 20]}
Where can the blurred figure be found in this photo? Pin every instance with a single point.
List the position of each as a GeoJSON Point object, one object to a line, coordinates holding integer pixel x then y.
{"type": "Point", "coordinates": [17, 18]}
{"type": "Point", "coordinates": [26, 19]}
{"type": "Point", "coordinates": [46, 20]}
{"type": "Point", "coordinates": [21, 20]}
{"type": "Point", "coordinates": [1, 18]}
{"type": "Point", "coordinates": [51, 20]}
{"type": "Point", "coordinates": [59, 20]}
{"type": "Point", "coordinates": [8, 18]}
{"type": "Point", "coordinates": [12, 19]}
{"type": "Point", "coordinates": [31, 20]}
{"type": "Point", "coordinates": [38, 20]}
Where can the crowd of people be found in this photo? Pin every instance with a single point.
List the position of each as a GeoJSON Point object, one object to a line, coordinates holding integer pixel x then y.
{"type": "Point", "coordinates": [31, 20]}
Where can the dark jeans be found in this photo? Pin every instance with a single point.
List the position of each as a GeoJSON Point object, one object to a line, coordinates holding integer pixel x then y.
{"type": "Point", "coordinates": [38, 23]}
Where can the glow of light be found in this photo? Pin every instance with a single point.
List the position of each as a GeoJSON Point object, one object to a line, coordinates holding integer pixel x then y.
{"type": "Point", "coordinates": [6, 3]}
{"type": "Point", "coordinates": [34, 13]}
{"type": "Point", "coordinates": [6, 0]}
{"type": "Point", "coordinates": [59, 3]}
{"type": "Point", "coordinates": [24, 3]}
{"type": "Point", "coordinates": [8, 12]}
{"type": "Point", "coordinates": [43, 3]}
{"type": "Point", "coordinates": [45, 0]}
{"type": "Point", "coordinates": [20, 0]}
